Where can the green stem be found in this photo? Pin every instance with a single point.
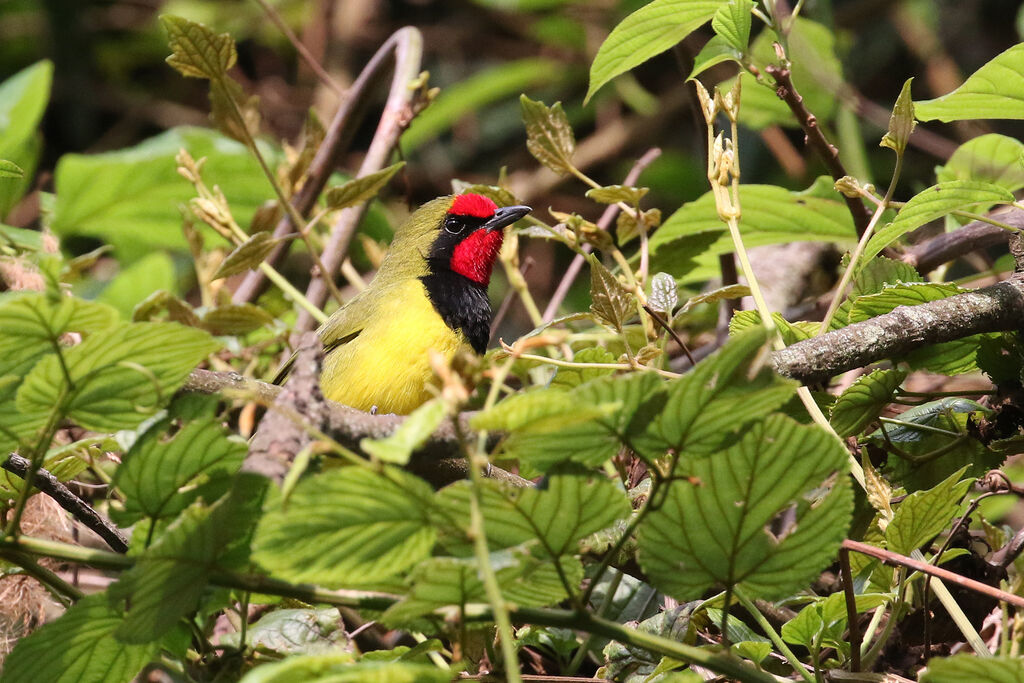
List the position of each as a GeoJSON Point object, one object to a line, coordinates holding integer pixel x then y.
{"type": "Point", "coordinates": [773, 635]}
{"type": "Point", "coordinates": [61, 589]}
{"type": "Point", "coordinates": [290, 291]}
{"type": "Point", "coordinates": [986, 219]}
{"type": "Point", "coordinates": [584, 648]}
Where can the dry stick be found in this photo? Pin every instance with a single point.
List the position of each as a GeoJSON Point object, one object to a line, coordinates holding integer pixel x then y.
{"type": "Point", "coordinates": [997, 308]}
{"type": "Point", "coordinates": [300, 48]}
{"type": "Point", "coordinates": [817, 141]}
{"type": "Point", "coordinates": [851, 608]}
{"type": "Point", "coordinates": [394, 119]}
{"type": "Point", "coordinates": [604, 223]}
{"type": "Point", "coordinates": [337, 139]}
{"type": "Point", "coordinates": [895, 559]}
{"type": "Point", "coordinates": [51, 486]}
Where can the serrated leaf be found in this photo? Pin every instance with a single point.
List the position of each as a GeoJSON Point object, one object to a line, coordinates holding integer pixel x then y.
{"type": "Point", "coordinates": [610, 301]}
{"type": "Point", "coordinates": [361, 189]}
{"type": "Point", "coordinates": [901, 121]}
{"type": "Point", "coordinates": [864, 400]}
{"type": "Point", "coordinates": [79, 647]}
{"type": "Point", "coordinates": [823, 621]}
{"type": "Point", "coordinates": [713, 528]}
{"type": "Point", "coordinates": [995, 91]}
{"type": "Point", "coordinates": [664, 293]}
{"type": "Point", "coordinates": [235, 319]}
{"type": "Point", "coordinates": [715, 295]}
{"type": "Point", "coordinates": [170, 576]}
{"type": "Point", "coordinates": [732, 23]}
{"type": "Point", "coordinates": [340, 668]}
{"type": "Point", "coordinates": [120, 376]}
{"type": "Point", "coordinates": [715, 51]}
{"type": "Point", "coordinates": [295, 632]}
{"type": "Point", "coordinates": [935, 202]}
{"type": "Point", "coordinates": [350, 525]}
{"type": "Point", "coordinates": [446, 584]}
{"type": "Point", "coordinates": [549, 136]}
{"type": "Point", "coordinates": [969, 668]}
{"type": "Point", "coordinates": [923, 514]}
{"type": "Point", "coordinates": [873, 278]}
{"type": "Point", "coordinates": [706, 408]}
{"type": "Point", "coordinates": [9, 169]}
{"type": "Point", "coordinates": [565, 510]}
{"type": "Point", "coordinates": [612, 194]}
{"type": "Point", "coordinates": [247, 255]}
{"type": "Point", "coordinates": [410, 435]}
{"type": "Point", "coordinates": [649, 31]}
{"type": "Point", "coordinates": [570, 378]}
{"type": "Point", "coordinates": [990, 158]}
{"type": "Point", "coordinates": [196, 51]}
{"type": "Point", "coordinates": [161, 477]}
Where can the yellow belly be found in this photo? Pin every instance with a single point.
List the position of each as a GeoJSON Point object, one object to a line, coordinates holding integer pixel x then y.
{"type": "Point", "coordinates": [387, 365]}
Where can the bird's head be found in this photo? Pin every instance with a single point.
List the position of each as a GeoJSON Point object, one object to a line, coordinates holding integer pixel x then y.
{"type": "Point", "coordinates": [461, 234]}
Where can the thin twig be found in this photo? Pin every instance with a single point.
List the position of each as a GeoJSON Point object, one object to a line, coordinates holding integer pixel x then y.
{"type": "Point", "coordinates": [311, 61]}
{"type": "Point", "coordinates": [851, 608]}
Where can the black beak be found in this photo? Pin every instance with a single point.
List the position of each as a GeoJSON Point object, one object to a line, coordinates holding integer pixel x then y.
{"type": "Point", "coordinates": [505, 216]}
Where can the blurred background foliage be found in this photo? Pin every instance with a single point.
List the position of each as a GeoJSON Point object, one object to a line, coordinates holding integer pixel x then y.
{"type": "Point", "coordinates": [98, 168]}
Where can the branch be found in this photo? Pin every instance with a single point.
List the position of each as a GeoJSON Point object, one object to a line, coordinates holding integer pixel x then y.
{"type": "Point", "coordinates": [998, 308]}
{"type": "Point", "coordinates": [932, 253]}
{"type": "Point", "coordinates": [815, 138]}
{"type": "Point", "coordinates": [79, 509]}
{"type": "Point", "coordinates": [405, 41]}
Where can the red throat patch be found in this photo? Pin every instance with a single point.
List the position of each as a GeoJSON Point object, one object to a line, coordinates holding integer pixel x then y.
{"type": "Point", "coordinates": [473, 205]}
{"type": "Point", "coordinates": [474, 256]}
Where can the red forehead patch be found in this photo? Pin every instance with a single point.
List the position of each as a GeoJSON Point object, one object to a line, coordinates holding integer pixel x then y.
{"type": "Point", "coordinates": [473, 205]}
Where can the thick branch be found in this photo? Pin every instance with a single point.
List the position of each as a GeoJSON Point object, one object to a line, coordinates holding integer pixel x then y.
{"type": "Point", "coordinates": [976, 235]}
{"type": "Point", "coordinates": [991, 309]}
{"type": "Point", "coordinates": [79, 509]}
{"type": "Point", "coordinates": [817, 141]}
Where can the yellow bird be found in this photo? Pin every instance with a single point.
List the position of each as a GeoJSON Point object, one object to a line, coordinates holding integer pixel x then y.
{"type": "Point", "coordinates": [430, 294]}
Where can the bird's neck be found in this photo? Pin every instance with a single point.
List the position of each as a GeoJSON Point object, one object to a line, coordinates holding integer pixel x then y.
{"type": "Point", "coordinates": [462, 303]}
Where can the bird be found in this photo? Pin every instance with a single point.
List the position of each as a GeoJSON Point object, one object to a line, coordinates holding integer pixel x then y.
{"type": "Point", "coordinates": [428, 296]}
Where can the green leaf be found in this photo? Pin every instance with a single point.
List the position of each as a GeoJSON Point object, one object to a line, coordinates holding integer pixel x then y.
{"type": "Point", "coordinates": [296, 631]}
{"type": "Point", "coordinates": [151, 273]}
{"type": "Point", "coordinates": [969, 668]}
{"type": "Point", "coordinates": [935, 202]}
{"type": "Point", "coordinates": [130, 197]}
{"type": "Point", "coordinates": [714, 526]}
{"type": "Point", "coordinates": [901, 121]}
{"type": "Point", "coordinates": [714, 52]}
{"type": "Point", "coordinates": [864, 400]}
{"type": "Point", "coordinates": [771, 215]}
{"type": "Point", "coordinates": [9, 169]}
{"type": "Point", "coordinates": [79, 647]}
{"type": "Point", "coordinates": [989, 158]}
{"type": "Point", "coordinates": [792, 332]}
{"type": "Point", "coordinates": [248, 255]}
{"type": "Point", "coordinates": [732, 23]}
{"type": "Point", "coordinates": [649, 31]}
{"type": "Point", "coordinates": [610, 301]}
{"type": "Point", "coordinates": [120, 376]}
{"type": "Point", "coordinates": [570, 378]}
{"type": "Point", "coordinates": [160, 477]}
{"type": "Point", "coordinates": [664, 293]}
{"type": "Point", "coordinates": [713, 296]}
{"type": "Point", "coordinates": [197, 51]}
{"type": "Point", "coordinates": [923, 514]}
{"type": "Point", "coordinates": [873, 278]}
{"type": "Point", "coordinates": [339, 668]}
{"type": "Point", "coordinates": [23, 99]}
{"type": "Point", "coordinates": [612, 194]}
{"type": "Point", "coordinates": [350, 525]}
{"type": "Point", "coordinates": [361, 189]}
{"type": "Point", "coordinates": [567, 508]}
{"type": "Point", "coordinates": [170, 576]}
{"type": "Point", "coordinates": [549, 136]}
{"type": "Point", "coordinates": [445, 584]}
{"type": "Point", "coordinates": [235, 319]}
{"type": "Point", "coordinates": [706, 408]}
{"type": "Point", "coordinates": [824, 620]}
{"type": "Point", "coordinates": [21, 239]}
{"type": "Point", "coordinates": [410, 435]}
{"type": "Point", "coordinates": [995, 91]}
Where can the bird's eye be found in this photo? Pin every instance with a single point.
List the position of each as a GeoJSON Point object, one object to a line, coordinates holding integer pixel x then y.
{"type": "Point", "coordinates": [453, 225]}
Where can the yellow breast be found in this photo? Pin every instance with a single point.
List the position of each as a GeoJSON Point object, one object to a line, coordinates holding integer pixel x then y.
{"type": "Point", "coordinates": [387, 365]}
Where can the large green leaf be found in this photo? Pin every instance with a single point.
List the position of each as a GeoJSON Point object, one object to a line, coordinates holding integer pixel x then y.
{"type": "Point", "coordinates": [23, 99]}
{"type": "Point", "coordinates": [649, 31]}
{"type": "Point", "coordinates": [923, 514]}
{"type": "Point", "coordinates": [170, 576]}
{"type": "Point", "coordinates": [566, 509]}
{"type": "Point", "coordinates": [79, 647]}
{"type": "Point", "coordinates": [969, 668]}
{"type": "Point", "coordinates": [872, 278]}
{"type": "Point", "coordinates": [771, 215]}
{"type": "Point", "coordinates": [706, 408]}
{"type": "Point", "coordinates": [714, 527]}
{"type": "Point", "coordinates": [990, 158]}
{"type": "Point", "coordinates": [995, 91]}
{"type": "Point", "coordinates": [119, 376]}
{"type": "Point", "coordinates": [350, 525]}
{"type": "Point", "coordinates": [161, 477]}
{"type": "Point", "coordinates": [131, 197]}
{"type": "Point", "coordinates": [151, 273]}
{"type": "Point", "coordinates": [935, 202]}
{"type": "Point", "coordinates": [864, 400]}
